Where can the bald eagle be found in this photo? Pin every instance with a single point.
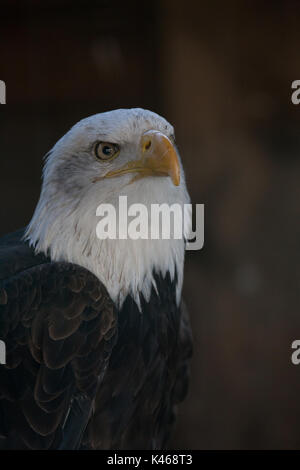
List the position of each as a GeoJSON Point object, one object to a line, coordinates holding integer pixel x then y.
{"type": "Point", "coordinates": [97, 336]}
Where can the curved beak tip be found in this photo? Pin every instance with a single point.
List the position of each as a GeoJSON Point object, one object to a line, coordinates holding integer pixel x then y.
{"type": "Point", "coordinates": [176, 179]}
{"type": "Point", "coordinates": [160, 155]}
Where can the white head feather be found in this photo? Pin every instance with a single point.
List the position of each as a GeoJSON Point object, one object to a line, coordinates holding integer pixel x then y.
{"type": "Point", "coordinates": [64, 223]}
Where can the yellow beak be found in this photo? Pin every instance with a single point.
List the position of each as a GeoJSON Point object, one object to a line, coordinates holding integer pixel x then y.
{"type": "Point", "coordinates": [158, 158]}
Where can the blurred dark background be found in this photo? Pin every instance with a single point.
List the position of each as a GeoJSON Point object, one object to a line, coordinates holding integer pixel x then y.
{"type": "Point", "coordinates": [221, 73]}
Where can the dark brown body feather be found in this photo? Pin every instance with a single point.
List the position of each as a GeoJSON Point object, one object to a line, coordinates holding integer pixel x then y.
{"type": "Point", "coordinates": [79, 374]}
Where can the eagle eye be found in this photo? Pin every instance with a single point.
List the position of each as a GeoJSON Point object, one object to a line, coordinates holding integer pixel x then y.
{"type": "Point", "coordinates": [106, 151]}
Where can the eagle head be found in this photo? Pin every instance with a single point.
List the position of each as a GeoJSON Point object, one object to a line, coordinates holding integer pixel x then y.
{"type": "Point", "coordinates": [124, 152]}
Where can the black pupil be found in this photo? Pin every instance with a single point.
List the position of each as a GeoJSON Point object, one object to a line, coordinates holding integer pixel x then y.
{"type": "Point", "coordinates": [107, 150]}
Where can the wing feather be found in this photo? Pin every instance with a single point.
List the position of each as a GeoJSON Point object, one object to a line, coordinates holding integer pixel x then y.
{"type": "Point", "coordinates": [59, 325]}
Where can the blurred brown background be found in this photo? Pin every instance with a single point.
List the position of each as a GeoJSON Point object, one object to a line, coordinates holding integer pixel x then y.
{"type": "Point", "coordinates": [221, 72]}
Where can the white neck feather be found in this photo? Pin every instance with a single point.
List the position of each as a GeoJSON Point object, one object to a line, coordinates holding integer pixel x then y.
{"type": "Point", "coordinates": [67, 232]}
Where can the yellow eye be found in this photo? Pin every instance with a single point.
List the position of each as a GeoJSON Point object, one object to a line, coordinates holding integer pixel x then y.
{"type": "Point", "coordinates": [106, 151]}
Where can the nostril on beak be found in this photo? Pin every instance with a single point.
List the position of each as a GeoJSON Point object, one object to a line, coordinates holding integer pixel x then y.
{"type": "Point", "coordinates": [147, 145]}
